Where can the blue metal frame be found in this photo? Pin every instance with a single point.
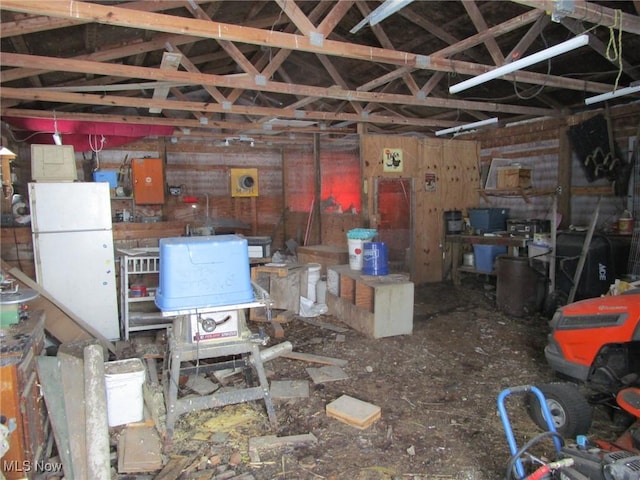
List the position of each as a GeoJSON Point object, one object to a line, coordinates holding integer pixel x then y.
{"type": "Point", "coordinates": [513, 447]}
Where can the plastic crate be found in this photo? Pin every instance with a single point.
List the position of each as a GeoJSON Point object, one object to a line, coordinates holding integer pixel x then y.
{"type": "Point", "coordinates": [485, 220]}
{"type": "Point", "coordinates": [201, 272]}
{"type": "Point", "coordinates": [485, 256]}
{"type": "Point", "coordinates": [259, 247]}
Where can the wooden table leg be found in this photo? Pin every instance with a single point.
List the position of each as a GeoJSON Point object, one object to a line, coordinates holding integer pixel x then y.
{"type": "Point", "coordinates": [455, 263]}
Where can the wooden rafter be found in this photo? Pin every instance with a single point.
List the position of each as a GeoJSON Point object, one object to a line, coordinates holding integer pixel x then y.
{"type": "Point", "coordinates": [215, 30]}
{"type": "Point", "coordinates": [249, 70]}
{"type": "Point", "coordinates": [126, 71]}
{"type": "Point", "coordinates": [591, 13]}
{"type": "Point", "coordinates": [175, 122]}
{"type": "Point", "coordinates": [205, 107]}
{"type": "Point", "coordinates": [478, 20]}
{"type": "Point", "coordinates": [170, 61]}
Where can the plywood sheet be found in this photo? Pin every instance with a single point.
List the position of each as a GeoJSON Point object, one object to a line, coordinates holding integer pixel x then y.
{"type": "Point", "coordinates": [329, 373]}
{"type": "Point", "coordinates": [52, 390]}
{"type": "Point", "coordinates": [139, 450]}
{"type": "Point", "coordinates": [72, 374]}
{"type": "Point", "coordinates": [289, 389]}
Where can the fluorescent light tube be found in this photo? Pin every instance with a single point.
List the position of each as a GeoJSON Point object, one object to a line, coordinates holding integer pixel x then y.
{"type": "Point", "coordinates": [57, 138]}
{"type": "Point", "coordinates": [609, 95]}
{"type": "Point", "coordinates": [386, 9]}
{"type": "Point", "coordinates": [546, 54]}
{"type": "Point", "coordinates": [468, 126]}
{"type": "Point", "coordinates": [389, 7]}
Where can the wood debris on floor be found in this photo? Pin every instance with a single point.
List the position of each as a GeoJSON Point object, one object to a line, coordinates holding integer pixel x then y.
{"type": "Point", "coordinates": [137, 450]}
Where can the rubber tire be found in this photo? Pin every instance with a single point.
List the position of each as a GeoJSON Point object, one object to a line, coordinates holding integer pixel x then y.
{"type": "Point", "coordinates": [572, 415]}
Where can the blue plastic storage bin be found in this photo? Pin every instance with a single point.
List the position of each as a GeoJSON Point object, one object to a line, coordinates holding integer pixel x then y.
{"type": "Point", "coordinates": [106, 176]}
{"type": "Point", "coordinates": [485, 256]}
{"type": "Point", "coordinates": [485, 220]}
{"type": "Point", "coordinates": [201, 272]}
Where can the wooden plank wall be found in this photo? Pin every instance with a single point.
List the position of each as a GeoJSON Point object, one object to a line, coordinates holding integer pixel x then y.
{"type": "Point", "coordinates": [545, 145]}
{"type": "Point", "coordinates": [202, 168]}
{"type": "Point", "coordinates": [453, 163]}
{"type": "Point", "coordinates": [17, 249]}
{"type": "Point", "coordinates": [326, 227]}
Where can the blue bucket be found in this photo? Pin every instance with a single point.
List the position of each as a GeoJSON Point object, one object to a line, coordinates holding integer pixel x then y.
{"type": "Point", "coordinates": [375, 261]}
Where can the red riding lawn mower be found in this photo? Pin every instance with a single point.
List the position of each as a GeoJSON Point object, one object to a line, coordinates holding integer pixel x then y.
{"type": "Point", "coordinates": [594, 346]}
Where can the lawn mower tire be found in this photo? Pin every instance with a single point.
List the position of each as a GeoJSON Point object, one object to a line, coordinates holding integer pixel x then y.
{"type": "Point", "coordinates": [570, 411]}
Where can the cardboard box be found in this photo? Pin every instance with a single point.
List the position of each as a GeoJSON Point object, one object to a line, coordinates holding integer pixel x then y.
{"type": "Point", "coordinates": [514, 177]}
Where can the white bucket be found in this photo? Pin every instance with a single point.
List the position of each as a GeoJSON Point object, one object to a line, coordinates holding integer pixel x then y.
{"type": "Point", "coordinates": [313, 276]}
{"type": "Point", "coordinates": [355, 253]}
{"type": "Point", "coordinates": [468, 259]}
{"type": "Point", "coordinates": [321, 292]}
{"type": "Point", "coordinates": [124, 379]}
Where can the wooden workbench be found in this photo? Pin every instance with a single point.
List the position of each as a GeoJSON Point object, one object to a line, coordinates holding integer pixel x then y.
{"type": "Point", "coordinates": [455, 244]}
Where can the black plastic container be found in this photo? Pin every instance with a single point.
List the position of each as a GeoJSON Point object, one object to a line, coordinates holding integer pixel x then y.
{"type": "Point", "coordinates": [605, 261]}
{"type": "Point", "coordinates": [453, 222]}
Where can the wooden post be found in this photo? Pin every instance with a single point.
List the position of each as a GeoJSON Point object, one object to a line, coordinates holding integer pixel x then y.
{"type": "Point", "coordinates": [97, 429]}
{"type": "Point", "coordinates": [564, 176]}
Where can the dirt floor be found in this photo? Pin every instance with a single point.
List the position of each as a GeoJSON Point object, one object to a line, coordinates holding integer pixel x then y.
{"type": "Point", "coordinates": [437, 391]}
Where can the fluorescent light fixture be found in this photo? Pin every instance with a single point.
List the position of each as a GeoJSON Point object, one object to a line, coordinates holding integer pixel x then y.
{"type": "Point", "coordinates": [546, 54]}
{"type": "Point", "coordinates": [609, 95]}
{"type": "Point", "coordinates": [57, 138]}
{"type": "Point", "coordinates": [389, 7]}
{"type": "Point", "coordinates": [468, 126]}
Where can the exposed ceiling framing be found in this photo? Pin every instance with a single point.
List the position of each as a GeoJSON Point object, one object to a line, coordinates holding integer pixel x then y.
{"type": "Point", "coordinates": [288, 67]}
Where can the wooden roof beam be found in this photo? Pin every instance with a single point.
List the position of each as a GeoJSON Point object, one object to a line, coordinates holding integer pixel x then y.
{"type": "Point", "coordinates": [481, 26]}
{"type": "Point", "coordinates": [591, 13]}
{"type": "Point", "coordinates": [174, 121]}
{"type": "Point", "coordinates": [170, 61]}
{"type": "Point", "coordinates": [480, 37]}
{"type": "Point", "coordinates": [594, 42]}
{"type": "Point", "coordinates": [528, 38]}
{"type": "Point", "coordinates": [144, 103]}
{"type": "Point", "coordinates": [154, 21]}
{"type": "Point", "coordinates": [112, 15]}
{"type": "Point", "coordinates": [36, 24]}
{"type": "Point", "coordinates": [127, 71]}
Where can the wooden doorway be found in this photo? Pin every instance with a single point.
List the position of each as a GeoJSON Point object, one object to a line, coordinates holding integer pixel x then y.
{"type": "Point", "coordinates": [394, 205]}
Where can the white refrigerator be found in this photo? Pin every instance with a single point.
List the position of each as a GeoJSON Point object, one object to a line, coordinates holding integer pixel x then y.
{"type": "Point", "coordinates": [73, 250]}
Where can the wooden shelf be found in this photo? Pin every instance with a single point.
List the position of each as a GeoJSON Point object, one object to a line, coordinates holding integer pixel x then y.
{"type": "Point", "coordinates": [505, 240]}
{"type": "Point", "coordinates": [473, 270]}
{"type": "Point", "coordinates": [525, 193]}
